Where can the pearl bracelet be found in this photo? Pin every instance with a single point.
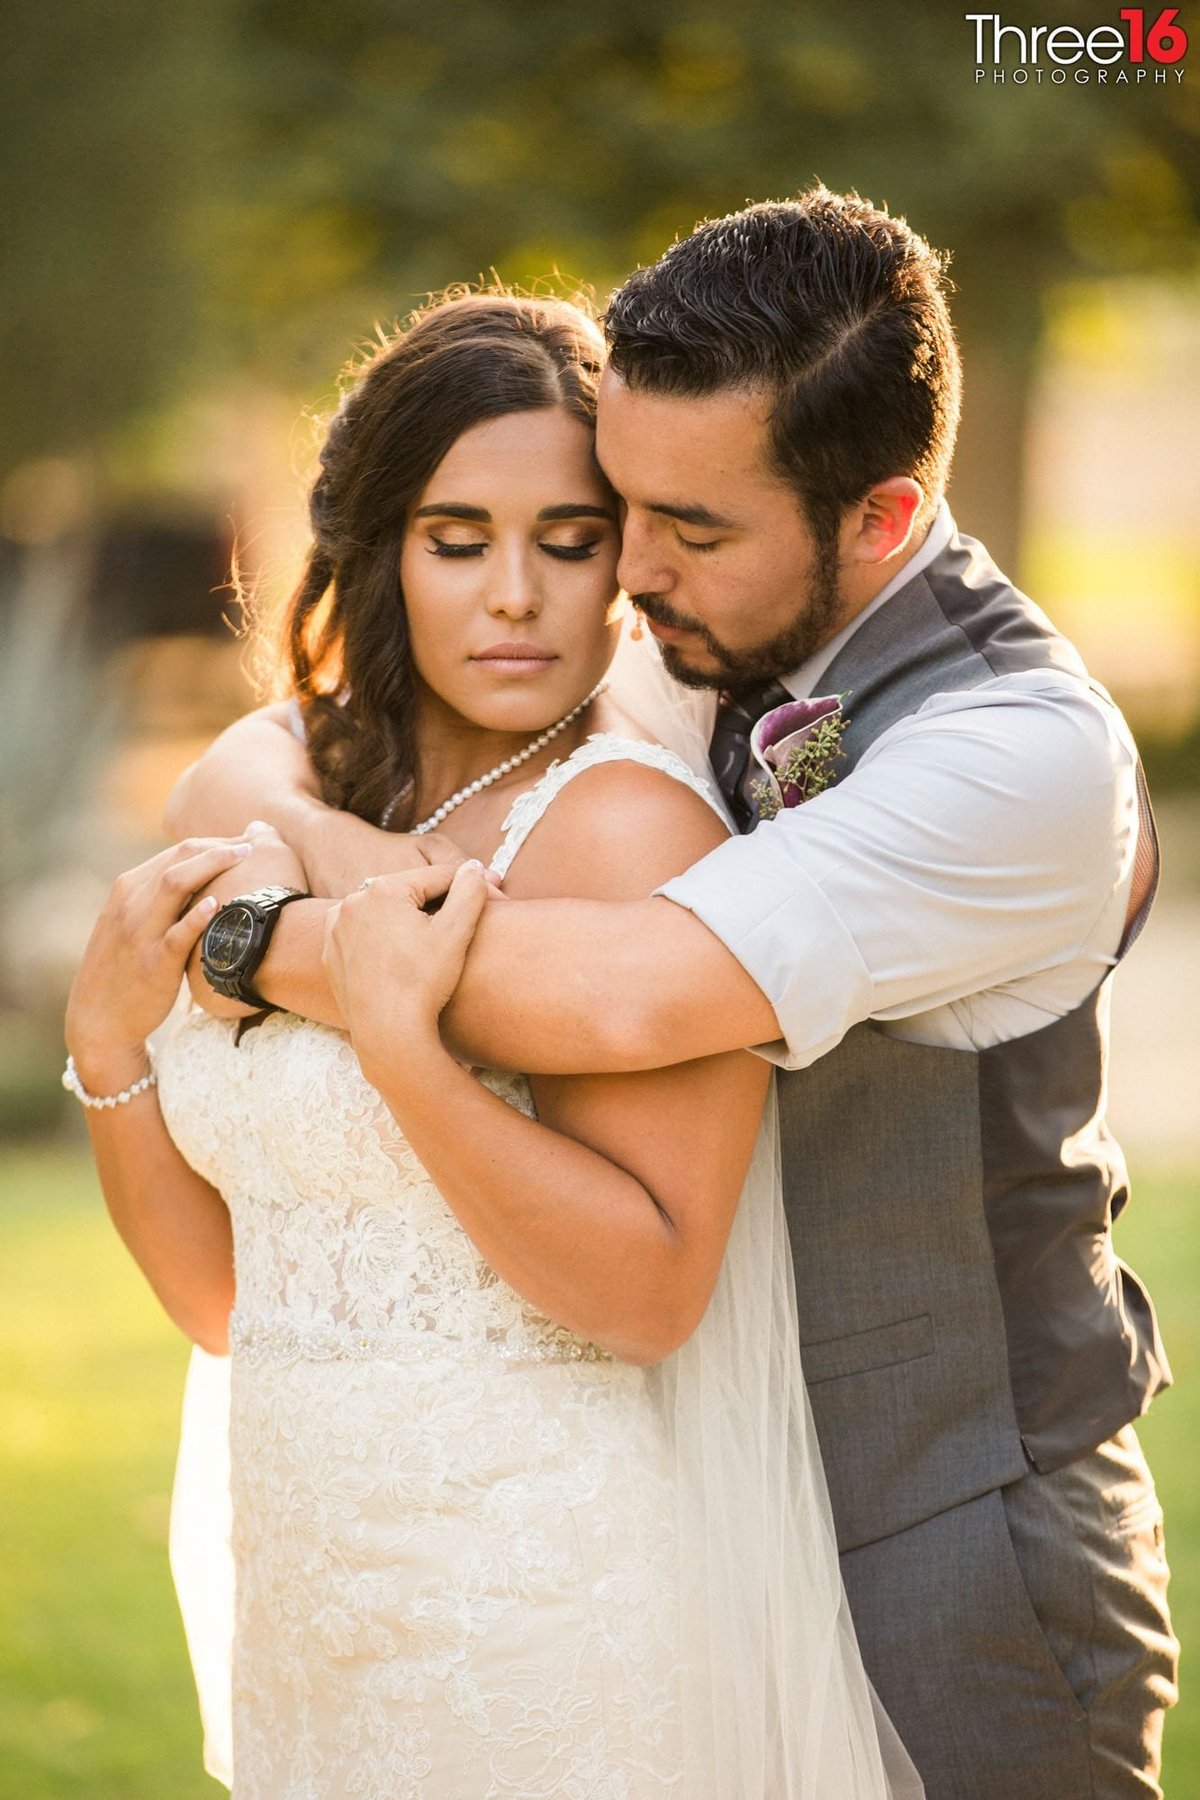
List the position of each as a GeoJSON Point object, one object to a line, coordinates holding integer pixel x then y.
{"type": "Point", "coordinates": [74, 1086]}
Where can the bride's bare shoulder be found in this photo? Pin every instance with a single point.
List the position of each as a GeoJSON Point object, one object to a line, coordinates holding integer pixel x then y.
{"type": "Point", "coordinates": [620, 827]}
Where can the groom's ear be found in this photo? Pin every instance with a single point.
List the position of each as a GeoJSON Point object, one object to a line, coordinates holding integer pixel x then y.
{"type": "Point", "coordinates": [882, 522]}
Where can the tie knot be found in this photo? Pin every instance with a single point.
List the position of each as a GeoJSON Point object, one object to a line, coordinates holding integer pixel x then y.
{"type": "Point", "coordinates": [729, 752]}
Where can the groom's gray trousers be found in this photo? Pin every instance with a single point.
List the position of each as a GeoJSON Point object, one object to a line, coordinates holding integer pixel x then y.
{"type": "Point", "coordinates": [1021, 1641]}
{"type": "Point", "coordinates": [974, 1351]}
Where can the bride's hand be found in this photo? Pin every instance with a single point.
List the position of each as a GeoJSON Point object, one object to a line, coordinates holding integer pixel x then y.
{"type": "Point", "coordinates": [391, 964]}
{"type": "Point", "coordinates": [135, 958]}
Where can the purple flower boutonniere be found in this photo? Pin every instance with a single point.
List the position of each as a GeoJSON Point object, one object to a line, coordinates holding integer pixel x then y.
{"type": "Point", "coordinates": [797, 746]}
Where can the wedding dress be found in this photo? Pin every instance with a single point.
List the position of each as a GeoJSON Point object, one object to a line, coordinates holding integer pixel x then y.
{"type": "Point", "coordinates": [478, 1558]}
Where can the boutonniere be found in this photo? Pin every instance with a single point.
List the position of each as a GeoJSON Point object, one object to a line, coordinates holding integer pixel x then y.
{"type": "Point", "coordinates": [797, 746]}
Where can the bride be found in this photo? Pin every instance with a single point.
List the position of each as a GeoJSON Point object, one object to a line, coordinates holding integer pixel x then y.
{"type": "Point", "coordinates": [526, 1499]}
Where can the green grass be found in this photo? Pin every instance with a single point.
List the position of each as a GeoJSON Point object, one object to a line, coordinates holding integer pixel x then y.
{"type": "Point", "coordinates": [95, 1691]}
{"type": "Point", "coordinates": [1160, 1237]}
{"type": "Point", "coordinates": [96, 1701]}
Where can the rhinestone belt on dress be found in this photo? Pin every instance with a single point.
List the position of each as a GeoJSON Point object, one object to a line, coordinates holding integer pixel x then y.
{"type": "Point", "coordinates": [258, 1341]}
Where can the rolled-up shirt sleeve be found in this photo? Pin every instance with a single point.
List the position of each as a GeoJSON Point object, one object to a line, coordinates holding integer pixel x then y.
{"type": "Point", "coordinates": [986, 842]}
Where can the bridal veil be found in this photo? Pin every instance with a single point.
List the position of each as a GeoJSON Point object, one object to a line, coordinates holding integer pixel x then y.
{"type": "Point", "coordinates": [777, 1704]}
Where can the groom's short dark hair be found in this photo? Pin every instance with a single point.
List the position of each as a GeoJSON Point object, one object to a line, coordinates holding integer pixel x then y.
{"type": "Point", "coordinates": [827, 300]}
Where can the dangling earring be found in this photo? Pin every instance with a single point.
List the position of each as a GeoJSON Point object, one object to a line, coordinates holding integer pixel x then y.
{"type": "Point", "coordinates": [639, 627]}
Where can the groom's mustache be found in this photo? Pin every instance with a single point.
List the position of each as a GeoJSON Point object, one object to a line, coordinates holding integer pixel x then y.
{"type": "Point", "coordinates": [657, 609]}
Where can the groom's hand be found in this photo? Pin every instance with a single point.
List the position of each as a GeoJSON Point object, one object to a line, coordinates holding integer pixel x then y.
{"type": "Point", "coordinates": [259, 769]}
{"type": "Point", "coordinates": [339, 851]}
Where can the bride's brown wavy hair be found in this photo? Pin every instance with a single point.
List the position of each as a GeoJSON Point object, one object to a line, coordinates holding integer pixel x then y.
{"type": "Point", "coordinates": [473, 356]}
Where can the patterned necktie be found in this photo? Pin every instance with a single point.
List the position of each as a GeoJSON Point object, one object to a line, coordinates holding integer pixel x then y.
{"type": "Point", "coordinates": [729, 749]}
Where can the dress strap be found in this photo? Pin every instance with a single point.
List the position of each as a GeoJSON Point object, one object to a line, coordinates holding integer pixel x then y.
{"type": "Point", "coordinates": [601, 747]}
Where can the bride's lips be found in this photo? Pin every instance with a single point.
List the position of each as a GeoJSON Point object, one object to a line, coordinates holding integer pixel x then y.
{"type": "Point", "coordinates": [515, 659]}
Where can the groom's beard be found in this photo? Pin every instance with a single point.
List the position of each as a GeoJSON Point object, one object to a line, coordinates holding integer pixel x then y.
{"type": "Point", "coordinates": [760, 662]}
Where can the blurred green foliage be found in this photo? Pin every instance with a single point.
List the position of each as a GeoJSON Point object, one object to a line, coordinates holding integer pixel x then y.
{"type": "Point", "coordinates": [107, 144]}
{"type": "Point", "coordinates": [251, 180]}
{"type": "Point", "coordinates": [1172, 760]}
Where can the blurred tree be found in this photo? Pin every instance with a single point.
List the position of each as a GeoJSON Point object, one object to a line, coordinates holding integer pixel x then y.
{"type": "Point", "coordinates": [370, 151]}
{"type": "Point", "coordinates": [402, 144]}
{"type": "Point", "coordinates": [109, 121]}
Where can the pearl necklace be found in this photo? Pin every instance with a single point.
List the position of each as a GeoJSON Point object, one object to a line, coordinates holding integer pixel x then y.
{"type": "Point", "coordinates": [505, 768]}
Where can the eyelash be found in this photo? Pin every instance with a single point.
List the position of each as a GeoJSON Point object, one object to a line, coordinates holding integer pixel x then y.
{"type": "Point", "coordinates": [561, 552]}
{"type": "Point", "coordinates": [698, 545]}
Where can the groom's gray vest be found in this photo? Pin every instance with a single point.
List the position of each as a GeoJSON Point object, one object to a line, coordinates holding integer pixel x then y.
{"type": "Point", "coordinates": [961, 1307]}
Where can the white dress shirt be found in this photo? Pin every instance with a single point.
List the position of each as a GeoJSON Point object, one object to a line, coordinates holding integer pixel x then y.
{"type": "Point", "coordinates": [965, 884]}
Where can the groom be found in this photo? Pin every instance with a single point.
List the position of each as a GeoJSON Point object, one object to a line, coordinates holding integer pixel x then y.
{"type": "Point", "coordinates": [924, 949]}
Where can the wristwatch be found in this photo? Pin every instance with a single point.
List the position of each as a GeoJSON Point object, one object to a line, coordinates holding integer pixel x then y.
{"type": "Point", "coordinates": [235, 941]}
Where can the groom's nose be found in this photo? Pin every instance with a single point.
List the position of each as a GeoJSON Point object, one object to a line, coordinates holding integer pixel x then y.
{"type": "Point", "coordinates": [641, 568]}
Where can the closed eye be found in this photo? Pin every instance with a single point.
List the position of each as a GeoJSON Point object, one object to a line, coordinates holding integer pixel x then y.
{"type": "Point", "coordinates": [441, 548]}
{"type": "Point", "coordinates": [562, 552]}
{"type": "Point", "coordinates": [571, 552]}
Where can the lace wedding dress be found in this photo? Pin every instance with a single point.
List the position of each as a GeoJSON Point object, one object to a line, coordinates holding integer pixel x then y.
{"type": "Point", "coordinates": [452, 1518]}
{"type": "Point", "coordinates": [456, 1527]}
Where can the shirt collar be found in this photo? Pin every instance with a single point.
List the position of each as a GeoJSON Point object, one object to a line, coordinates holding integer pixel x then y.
{"type": "Point", "coordinates": [801, 683]}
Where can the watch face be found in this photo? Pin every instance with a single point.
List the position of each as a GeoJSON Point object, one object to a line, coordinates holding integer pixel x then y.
{"type": "Point", "coordinates": [228, 938]}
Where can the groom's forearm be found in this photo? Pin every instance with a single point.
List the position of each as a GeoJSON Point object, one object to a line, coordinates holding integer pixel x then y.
{"type": "Point", "coordinates": [256, 769]}
{"type": "Point", "coordinates": [561, 987]}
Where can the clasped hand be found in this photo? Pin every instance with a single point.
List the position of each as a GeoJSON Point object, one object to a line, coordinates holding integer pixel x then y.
{"type": "Point", "coordinates": [129, 977]}
{"type": "Point", "coordinates": [337, 846]}
{"type": "Point", "coordinates": [391, 963]}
